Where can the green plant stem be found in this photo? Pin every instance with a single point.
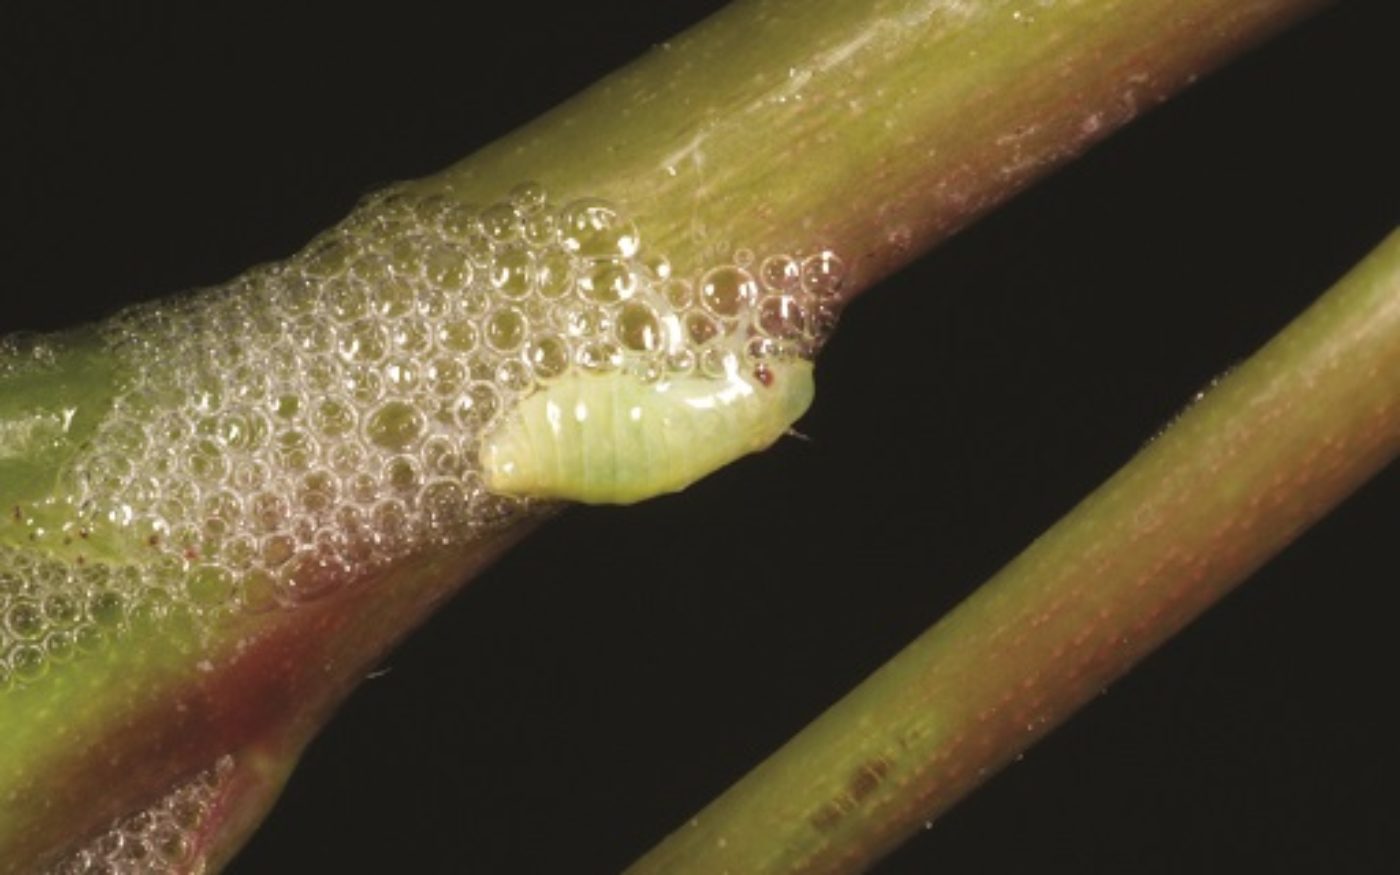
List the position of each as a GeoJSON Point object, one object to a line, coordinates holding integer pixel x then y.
{"type": "Point", "coordinates": [1265, 453]}
{"type": "Point", "coordinates": [874, 128]}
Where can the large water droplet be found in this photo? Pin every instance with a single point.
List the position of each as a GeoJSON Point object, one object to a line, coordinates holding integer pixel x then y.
{"type": "Point", "coordinates": [727, 291]}
{"type": "Point", "coordinates": [593, 228]}
{"type": "Point", "coordinates": [395, 425]}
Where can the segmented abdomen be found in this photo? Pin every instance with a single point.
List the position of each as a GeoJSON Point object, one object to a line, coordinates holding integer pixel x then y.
{"type": "Point", "coordinates": [613, 439]}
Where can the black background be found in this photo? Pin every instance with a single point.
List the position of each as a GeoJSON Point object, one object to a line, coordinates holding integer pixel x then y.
{"type": "Point", "coordinates": [601, 683]}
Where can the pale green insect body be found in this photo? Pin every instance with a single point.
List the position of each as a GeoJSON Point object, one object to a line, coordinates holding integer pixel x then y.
{"type": "Point", "coordinates": [614, 439]}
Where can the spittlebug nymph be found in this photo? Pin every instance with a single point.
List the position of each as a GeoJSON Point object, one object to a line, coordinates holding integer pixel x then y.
{"type": "Point", "coordinates": [401, 383]}
{"type": "Point", "coordinates": [614, 439]}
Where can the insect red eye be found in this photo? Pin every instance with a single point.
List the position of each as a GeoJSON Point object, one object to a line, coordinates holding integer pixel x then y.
{"type": "Point", "coordinates": [763, 375]}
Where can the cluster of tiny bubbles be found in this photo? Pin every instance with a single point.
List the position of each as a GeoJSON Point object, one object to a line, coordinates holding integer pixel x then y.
{"type": "Point", "coordinates": [23, 352]}
{"type": "Point", "coordinates": [159, 840]}
{"type": "Point", "coordinates": [323, 415]}
{"type": "Point", "coordinates": [52, 610]}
